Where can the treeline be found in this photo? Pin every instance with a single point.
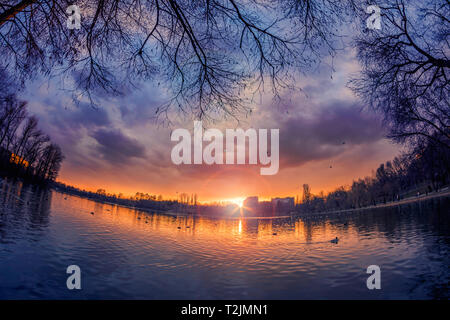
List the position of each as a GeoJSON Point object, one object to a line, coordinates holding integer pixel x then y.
{"type": "Point", "coordinates": [147, 202]}
{"type": "Point", "coordinates": [25, 151]}
{"type": "Point", "coordinates": [140, 200]}
{"type": "Point", "coordinates": [143, 201]}
{"type": "Point", "coordinates": [424, 169]}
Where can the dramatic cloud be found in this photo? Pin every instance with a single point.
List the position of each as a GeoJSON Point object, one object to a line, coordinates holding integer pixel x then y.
{"type": "Point", "coordinates": [120, 147]}
{"type": "Point", "coordinates": [117, 148]}
{"type": "Point", "coordinates": [333, 130]}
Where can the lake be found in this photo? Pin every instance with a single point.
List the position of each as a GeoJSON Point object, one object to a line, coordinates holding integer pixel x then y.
{"type": "Point", "coordinates": [128, 254]}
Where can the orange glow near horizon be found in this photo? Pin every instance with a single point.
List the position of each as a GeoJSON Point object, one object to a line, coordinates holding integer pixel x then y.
{"type": "Point", "coordinates": [230, 184]}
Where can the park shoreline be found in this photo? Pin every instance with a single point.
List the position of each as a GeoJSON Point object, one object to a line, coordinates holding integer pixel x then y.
{"type": "Point", "coordinates": [417, 199]}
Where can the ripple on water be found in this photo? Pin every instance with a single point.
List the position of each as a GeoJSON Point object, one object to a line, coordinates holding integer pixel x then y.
{"type": "Point", "coordinates": [125, 253]}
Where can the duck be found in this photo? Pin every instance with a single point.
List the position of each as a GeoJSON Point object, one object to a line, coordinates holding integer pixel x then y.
{"type": "Point", "coordinates": [335, 240]}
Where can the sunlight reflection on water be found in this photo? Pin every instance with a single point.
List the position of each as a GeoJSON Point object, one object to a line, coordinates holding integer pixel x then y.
{"type": "Point", "coordinates": [125, 253]}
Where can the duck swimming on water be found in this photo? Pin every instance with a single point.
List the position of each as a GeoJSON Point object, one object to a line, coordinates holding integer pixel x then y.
{"type": "Point", "coordinates": [335, 240]}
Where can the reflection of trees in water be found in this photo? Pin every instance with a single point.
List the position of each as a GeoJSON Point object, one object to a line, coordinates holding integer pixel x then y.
{"type": "Point", "coordinates": [437, 249]}
{"type": "Point", "coordinates": [252, 228]}
{"type": "Point", "coordinates": [24, 204]}
{"type": "Point", "coordinates": [98, 206]}
{"type": "Point", "coordinates": [311, 227]}
{"type": "Point", "coordinates": [423, 222]}
{"type": "Point", "coordinates": [433, 277]}
{"type": "Point", "coordinates": [404, 223]}
{"type": "Point", "coordinates": [394, 222]}
{"type": "Point", "coordinates": [438, 281]}
{"type": "Point", "coordinates": [249, 227]}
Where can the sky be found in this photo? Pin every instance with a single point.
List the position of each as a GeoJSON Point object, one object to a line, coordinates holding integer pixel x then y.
{"type": "Point", "coordinates": [327, 139]}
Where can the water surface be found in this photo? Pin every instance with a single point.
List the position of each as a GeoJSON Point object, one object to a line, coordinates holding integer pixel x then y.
{"type": "Point", "coordinates": [125, 253]}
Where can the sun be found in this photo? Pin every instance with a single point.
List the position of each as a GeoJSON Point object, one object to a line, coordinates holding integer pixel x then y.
{"type": "Point", "coordinates": [238, 201]}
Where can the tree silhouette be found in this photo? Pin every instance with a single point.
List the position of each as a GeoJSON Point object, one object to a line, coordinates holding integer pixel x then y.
{"type": "Point", "coordinates": [406, 70]}
{"type": "Point", "coordinates": [20, 139]}
{"type": "Point", "coordinates": [207, 53]}
{"type": "Point", "coordinates": [13, 112]}
{"type": "Point", "coordinates": [50, 162]}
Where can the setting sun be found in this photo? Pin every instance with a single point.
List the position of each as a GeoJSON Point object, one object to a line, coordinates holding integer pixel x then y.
{"type": "Point", "coordinates": [238, 201]}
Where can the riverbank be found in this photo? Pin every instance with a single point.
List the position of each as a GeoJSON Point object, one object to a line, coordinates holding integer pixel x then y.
{"type": "Point", "coordinates": [423, 197]}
